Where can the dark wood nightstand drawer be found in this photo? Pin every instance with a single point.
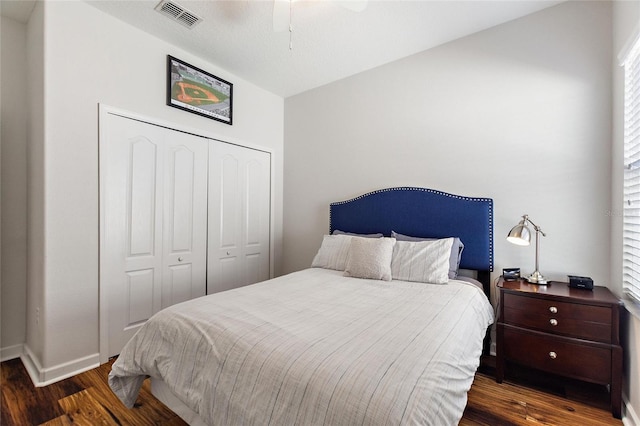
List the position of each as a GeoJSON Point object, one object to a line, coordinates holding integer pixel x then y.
{"type": "Point", "coordinates": [569, 319]}
{"type": "Point", "coordinates": [558, 355]}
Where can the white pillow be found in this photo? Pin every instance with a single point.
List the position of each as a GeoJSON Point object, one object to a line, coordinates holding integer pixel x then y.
{"type": "Point", "coordinates": [333, 252]}
{"type": "Point", "coordinates": [370, 258]}
{"type": "Point", "coordinates": [422, 261]}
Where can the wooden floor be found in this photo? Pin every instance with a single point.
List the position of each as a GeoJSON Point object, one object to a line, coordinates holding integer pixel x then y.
{"type": "Point", "coordinates": [86, 399]}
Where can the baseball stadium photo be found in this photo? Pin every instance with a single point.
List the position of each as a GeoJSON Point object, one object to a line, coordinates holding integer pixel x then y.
{"type": "Point", "coordinates": [197, 91]}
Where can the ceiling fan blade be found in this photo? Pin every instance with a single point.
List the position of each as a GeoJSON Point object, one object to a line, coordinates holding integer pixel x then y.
{"type": "Point", "coordinates": [353, 5]}
{"type": "Point", "coordinates": [281, 16]}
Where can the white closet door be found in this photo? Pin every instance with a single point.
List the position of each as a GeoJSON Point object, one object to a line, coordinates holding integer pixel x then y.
{"type": "Point", "coordinates": [239, 216]}
{"type": "Point", "coordinates": [257, 217]}
{"type": "Point", "coordinates": [184, 235]}
{"type": "Point", "coordinates": [153, 191]}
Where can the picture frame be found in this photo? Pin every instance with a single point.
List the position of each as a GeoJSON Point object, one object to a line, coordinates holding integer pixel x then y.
{"type": "Point", "coordinates": [191, 89]}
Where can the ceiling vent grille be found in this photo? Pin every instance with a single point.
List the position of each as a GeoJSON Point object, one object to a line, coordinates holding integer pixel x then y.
{"type": "Point", "coordinates": [178, 13]}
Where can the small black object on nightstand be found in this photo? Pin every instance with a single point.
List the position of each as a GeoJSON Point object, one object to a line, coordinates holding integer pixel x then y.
{"type": "Point", "coordinates": [511, 274]}
{"type": "Point", "coordinates": [585, 283]}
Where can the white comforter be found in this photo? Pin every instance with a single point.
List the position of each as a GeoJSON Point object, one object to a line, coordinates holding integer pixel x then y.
{"type": "Point", "coordinates": [313, 348]}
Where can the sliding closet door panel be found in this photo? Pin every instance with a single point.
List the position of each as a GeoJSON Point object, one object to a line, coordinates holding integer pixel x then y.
{"type": "Point", "coordinates": [256, 186]}
{"type": "Point", "coordinates": [253, 269]}
{"type": "Point", "coordinates": [178, 282]}
{"type": "Point", "coordinates": [141, 198]}
{"type": "Point", "coordinates": [225, 217]}
{"type": "Point", "coordinates": [185, 218]}
{"type": "Point", "coordinates": [181, 181]}
{"type": "Point", "coordinates": [226, 276]}
{"type": "Point", "coordinates": [140, 284]}
{"type": "Point", "coordinates": [230, 204]}
{"type": "Point", "coordinates": [257, 218]}
{"type": "Point", "coordinates": [154, 189]}
{"type": "Point", "coordinates": [132, 255]}
{"type": "Point", "coordinates": [239, 216]}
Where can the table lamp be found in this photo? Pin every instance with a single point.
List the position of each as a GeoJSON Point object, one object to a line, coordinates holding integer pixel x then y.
{"type": "Point", "coordinates": [520, 235]}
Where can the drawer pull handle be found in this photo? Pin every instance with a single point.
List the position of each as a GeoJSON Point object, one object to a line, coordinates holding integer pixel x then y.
{"type": "Point", "coordinates": [553, 310]}
{"type": "Point", "coordinates": [553, 355]}
{"type": "Point", "coordinates": [553, 321]}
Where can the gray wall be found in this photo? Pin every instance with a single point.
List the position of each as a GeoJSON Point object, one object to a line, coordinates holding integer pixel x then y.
{"type": "Point", "coordinates": [13, 105]}
{"type": "Point", "coordinates": [519, 113]}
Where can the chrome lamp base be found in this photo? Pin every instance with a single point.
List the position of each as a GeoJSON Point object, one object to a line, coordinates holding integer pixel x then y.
{"type": "Point", "coordinates": [537, 278]}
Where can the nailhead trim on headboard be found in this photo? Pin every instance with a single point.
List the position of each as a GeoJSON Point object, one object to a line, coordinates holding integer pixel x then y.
{"type": "Point", "coordinates": [411, 188]}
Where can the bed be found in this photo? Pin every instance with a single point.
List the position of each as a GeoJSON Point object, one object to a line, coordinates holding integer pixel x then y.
{"type": "Point", "coordinates": [367, 335]}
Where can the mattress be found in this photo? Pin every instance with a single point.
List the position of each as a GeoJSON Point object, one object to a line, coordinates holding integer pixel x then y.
{"type": "Point", "coordinates": [314, 347]}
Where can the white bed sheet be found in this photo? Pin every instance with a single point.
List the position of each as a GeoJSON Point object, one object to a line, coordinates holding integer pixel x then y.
{"type": "Point", "coordinates": [315, 347]}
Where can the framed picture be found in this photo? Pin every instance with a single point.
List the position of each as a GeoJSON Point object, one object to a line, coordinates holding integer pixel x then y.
{"type": "Point", "coordinates": [194, 90]}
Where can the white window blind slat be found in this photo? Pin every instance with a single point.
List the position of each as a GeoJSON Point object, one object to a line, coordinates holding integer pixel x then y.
{"type": "Point", "coordinates": [631, 182]}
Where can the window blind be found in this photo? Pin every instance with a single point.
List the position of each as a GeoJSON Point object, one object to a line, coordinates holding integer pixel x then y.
{"type": "Point", "coordinates": [631, 210]}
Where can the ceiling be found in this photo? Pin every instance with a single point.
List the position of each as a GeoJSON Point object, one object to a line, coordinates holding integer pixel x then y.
{"type": "Point", "coordinates": [329, 41]}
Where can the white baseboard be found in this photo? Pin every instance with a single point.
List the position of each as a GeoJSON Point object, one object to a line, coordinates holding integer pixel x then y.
{"type": "Point", "coordinates": [11, 352]}
{"type": "Point", "coordinates": [629, 415]}
{"type": "Point", "coordinates": [45, 376]}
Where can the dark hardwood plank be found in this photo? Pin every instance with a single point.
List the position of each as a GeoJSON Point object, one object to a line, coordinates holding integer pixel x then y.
{"type": "Point", "coordinates": [82, 407]}
{"type": "Point", "coordinates": [147, 410]}
{"type": "Point", "coordinates": [86, 399]}
{"type": "Point", "coordinates": [490, 403]}
{"type": "Point", "coordinates": [24, 404]}
{"type": "Point", "coordinates": [59, 421]}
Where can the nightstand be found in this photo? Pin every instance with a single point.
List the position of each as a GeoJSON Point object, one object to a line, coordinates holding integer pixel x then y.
{"type": "Point", "coordinates": [569, 332]}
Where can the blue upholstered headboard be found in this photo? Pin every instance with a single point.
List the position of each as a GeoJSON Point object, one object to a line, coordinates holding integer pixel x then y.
{"type": "Point", "coordinates": [422, 212]}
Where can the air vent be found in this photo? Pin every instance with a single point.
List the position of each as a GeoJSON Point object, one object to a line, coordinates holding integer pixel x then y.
{"type": "Point", "coordinates": [178, 13]}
